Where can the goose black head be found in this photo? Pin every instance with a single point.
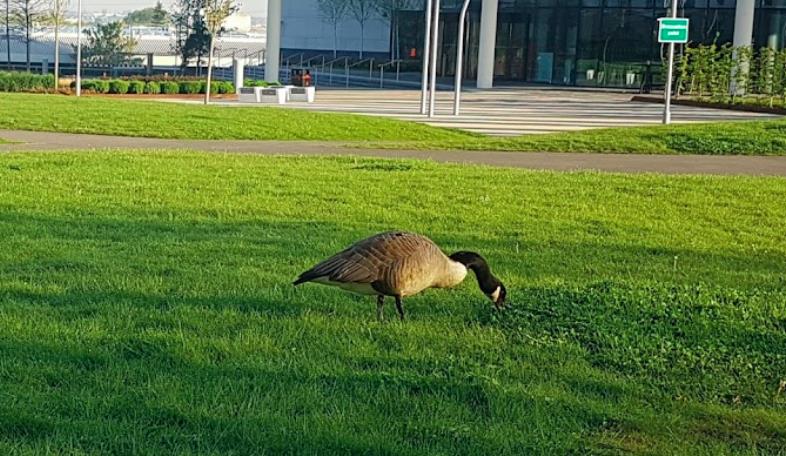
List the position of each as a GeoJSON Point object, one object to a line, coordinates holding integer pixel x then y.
{"type": "Point", "coordinates": [491, 286]}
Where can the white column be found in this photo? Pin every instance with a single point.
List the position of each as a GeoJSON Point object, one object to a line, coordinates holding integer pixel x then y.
{"type": "Point", "coordinates": [775, 30]}
{"type": "Point", "coordinates": [239, 67]}
{"type": "Point", "coordinates": [743, 37]}
{"type": "Point", "coordinates": [488, 43]}
{"type": "Point", "coordinates": [743, 23]}
{"type": "Point", "coordinates": [273, 49]}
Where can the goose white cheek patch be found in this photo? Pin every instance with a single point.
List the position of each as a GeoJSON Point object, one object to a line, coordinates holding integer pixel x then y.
{"type": "Point", "coordinates": [495, 296]}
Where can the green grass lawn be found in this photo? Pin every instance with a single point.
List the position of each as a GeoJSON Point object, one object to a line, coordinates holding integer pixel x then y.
{"type": "Point", "coordinates": [179, 121]}
{"type": "Point", "coordinates": [759, 137]}
{"type": "Point", "coordinates": [123, 117]}
{"type": "Point", "coordinates": [147, 309]}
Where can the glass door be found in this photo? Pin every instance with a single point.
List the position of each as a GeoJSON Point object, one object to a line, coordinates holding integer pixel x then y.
{"type": "Point", "coordinates": [511, 57]}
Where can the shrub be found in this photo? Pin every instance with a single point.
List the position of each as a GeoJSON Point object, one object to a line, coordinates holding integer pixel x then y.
{"type": "Point", "coordinates": [226, 87]}
{"type": "Point", "coordinates": [25, 82]}
{"type": "Point", "coordinates": [170, 87]}
{"type": "Point", "coordinates": [95, 85]}
{"type": "Point", "coordinates": [118, 87]}
{"type": "Point", "coordinates": [88, 85]}
{"type": "Point", "coordinates": [221, 87]}
{"type": "Point", "coordinates": [192, 87]}
{"type": "Point", "coordinates": [153, 88]}
{"type": "Point", "coordinates": [136, 87]}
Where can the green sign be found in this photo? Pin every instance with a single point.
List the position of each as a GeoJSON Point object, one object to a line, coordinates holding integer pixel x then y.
{"type": "Point", "coordinates": [673, 30]}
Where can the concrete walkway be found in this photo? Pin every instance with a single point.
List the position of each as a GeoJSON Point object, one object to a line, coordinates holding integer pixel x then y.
{"type": "Point", "coordinates": [667, 164]}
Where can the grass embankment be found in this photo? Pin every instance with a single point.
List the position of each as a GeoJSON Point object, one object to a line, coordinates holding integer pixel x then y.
{"type": "Point", "coordinates": [102, 116]}
{"type": "Point", "coordinates": [147, 308]}
{"type": "Point", "coordinates": [177, 121]}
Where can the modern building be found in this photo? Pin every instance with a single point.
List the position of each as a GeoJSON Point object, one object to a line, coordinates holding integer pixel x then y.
{"type": "Point", "coordinates": [610, 43]}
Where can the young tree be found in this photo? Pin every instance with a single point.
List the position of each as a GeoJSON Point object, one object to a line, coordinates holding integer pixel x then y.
{"type": "Point", "coordinates": [26, 14]}
{"type": "Point", "coordinates": [107, 44]}
{"type": "Point", "coordinates": [56, 17]}
{"type": "Point", "coordinates": [388, 10]}
{"type": "Point", "coordinates": [362, 11]}
{"type": "Point", "coordinates": [333, 12]}
{"type": "Point", "coordinates": [215, 13]}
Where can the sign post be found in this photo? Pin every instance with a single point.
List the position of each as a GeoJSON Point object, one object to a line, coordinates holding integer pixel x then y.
{"type": "Point", "coordinates": [671, 30]}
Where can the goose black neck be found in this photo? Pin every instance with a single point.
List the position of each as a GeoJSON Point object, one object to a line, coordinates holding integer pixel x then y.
{"type": "Point", "coordinates": [477, 264]}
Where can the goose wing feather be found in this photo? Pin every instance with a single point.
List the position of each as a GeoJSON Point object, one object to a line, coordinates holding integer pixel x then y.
{"type": "Point", "coordinates": [371, 259]}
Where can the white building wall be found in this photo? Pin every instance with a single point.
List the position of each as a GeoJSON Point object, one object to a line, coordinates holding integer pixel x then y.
{"type": "Point", "coordinates": [304, 28]}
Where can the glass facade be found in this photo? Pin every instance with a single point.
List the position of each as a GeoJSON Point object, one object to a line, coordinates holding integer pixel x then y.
{"type": "Point", "coordinates": [596, 43]}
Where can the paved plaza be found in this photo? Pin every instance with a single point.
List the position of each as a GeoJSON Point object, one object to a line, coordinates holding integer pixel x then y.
{"type": "Point", "coordinates": [514, 111]}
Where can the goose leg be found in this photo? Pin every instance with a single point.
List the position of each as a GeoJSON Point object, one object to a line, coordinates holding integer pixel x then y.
{"type": "Point", "coordinates": [400, 308]}
{"type": "Point", "coordinates": [381, 308]}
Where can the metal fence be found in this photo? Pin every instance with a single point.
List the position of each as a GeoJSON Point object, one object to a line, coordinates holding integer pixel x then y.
{"type": "Point", "coordinates": [154, 54]}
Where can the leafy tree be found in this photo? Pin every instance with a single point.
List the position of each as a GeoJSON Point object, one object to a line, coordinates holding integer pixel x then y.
{"type": "Point", "coordinates": [155, 16]}
{"type": "Point", "coordinates": [362, 11]}
{"type": "Point", "coordinates": [56, 18]}
{"type": "Point", "coordinates": [333, 12]}
{"type": "Point", "coordinates": [197, 44]}
{"type": "Point", "coordinates": [107, 44]}
{"type": "Point", "coordinates": [215, 13]}
{"type": "Point", "coordinates": [192, 36]}
{"type": "Point", "coordinates": [25, 14]}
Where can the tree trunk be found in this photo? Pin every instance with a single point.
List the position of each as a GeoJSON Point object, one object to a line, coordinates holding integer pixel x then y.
{"type": "Point", "coordinates": [209, 68]}
{"type": "Point", "coordinates": [362, 38]}
{"type": "Point", "coordinates": [335, 39]}
{"type": "Point", "coordinates": [8, 31]}
{"type": "Point", "coordinates": [57, 45]}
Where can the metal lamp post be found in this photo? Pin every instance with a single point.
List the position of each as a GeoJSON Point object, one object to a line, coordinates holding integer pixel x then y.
{"type": "Point", "coordinates": [670, 73]}
{"type": "Point", "coordinates": [434, 54]}
{"type": "Point", "coordinates": [426, 60]}
{"type": "Point", "coordinates": [460, 58]}
{"type": "Point", "coordinates": [79, 49]}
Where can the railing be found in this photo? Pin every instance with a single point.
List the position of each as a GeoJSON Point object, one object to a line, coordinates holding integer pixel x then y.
{"type": "Point", "coordinates": [358, 63]}
{"type": "Point", "coordinates": [288, 60]}
{"type": "Point", "coordinates": [330, 63]}
{"type": "Point", "coordinates": [397, 63]}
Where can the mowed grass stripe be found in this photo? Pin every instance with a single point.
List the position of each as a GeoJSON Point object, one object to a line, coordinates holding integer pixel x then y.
{"type": "Point", "coordinates": [123, 117]}
{"type": "Point", "coordinates": [147, 308]}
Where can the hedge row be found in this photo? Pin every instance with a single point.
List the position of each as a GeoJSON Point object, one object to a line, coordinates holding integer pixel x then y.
{"type": "Point", "coordinates": [257, 83]}
{"type": "Point", "coordinates": [25, 82]}
{"type": "Point", "coordinates": [122, 87]}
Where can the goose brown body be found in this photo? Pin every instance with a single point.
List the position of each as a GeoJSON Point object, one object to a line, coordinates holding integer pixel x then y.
{"type": "Point", "coordinates": [389, 264]}
{"type": "Point", "coordinates": [401, 264]}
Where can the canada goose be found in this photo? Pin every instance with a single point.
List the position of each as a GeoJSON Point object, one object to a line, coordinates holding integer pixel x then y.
{"type": "Point", "coordinates": [400, 264]}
